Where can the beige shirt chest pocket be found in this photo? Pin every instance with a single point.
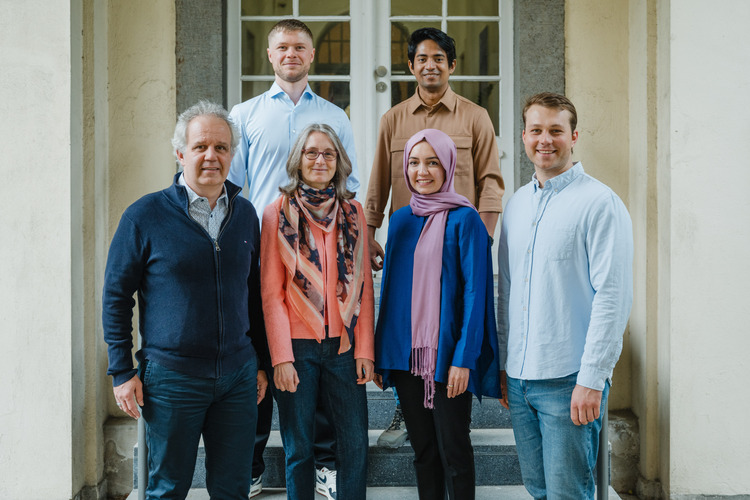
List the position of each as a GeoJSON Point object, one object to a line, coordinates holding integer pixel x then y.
{"type": "Point", "coordinates": [400, 192]}
{"type": "Point", "coordinates": [397, 158]}
{"type": "Point", "coordinates": [464, 179]}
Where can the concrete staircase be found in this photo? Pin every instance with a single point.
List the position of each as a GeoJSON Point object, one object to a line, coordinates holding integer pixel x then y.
{"type": "Point", "coordinates": [390, 471]}
{"type": "Point", "coordinates": [494, 448]}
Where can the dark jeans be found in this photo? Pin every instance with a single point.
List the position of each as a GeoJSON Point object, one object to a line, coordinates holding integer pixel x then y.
{"type": "Point", "coordinates": [443, 455]}
{"type": "Point", "coordinates": [325, 442]}
{"type": "Point", "coordinates": [325, 376]}
{"type": "Point", "coordinates": [177, 409]}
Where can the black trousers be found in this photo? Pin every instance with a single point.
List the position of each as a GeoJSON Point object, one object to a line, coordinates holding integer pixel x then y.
{"type": "Point", "coordinates": [325, 442]}
{"type": "Point", "coordinates": [443, 456]}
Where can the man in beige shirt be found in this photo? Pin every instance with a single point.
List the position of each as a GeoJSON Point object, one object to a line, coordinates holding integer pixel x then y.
{"type": "Point", "coordinates": [432, 59]}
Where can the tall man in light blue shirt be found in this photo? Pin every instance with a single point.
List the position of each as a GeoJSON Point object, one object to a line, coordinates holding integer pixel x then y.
{"type": "Point", "coordinates": [269, 125]}
{"type": "Point", "coordinates": [565, 291]}
{"type": "Point", "coordinates": [270, 122]}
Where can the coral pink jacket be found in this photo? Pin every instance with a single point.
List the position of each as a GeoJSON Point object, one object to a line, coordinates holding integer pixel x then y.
{"type": "Point", "coordinates": [282, 323]}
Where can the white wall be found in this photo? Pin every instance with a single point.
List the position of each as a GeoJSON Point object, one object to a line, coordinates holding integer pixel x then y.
{"type": "Point", "coordinates": [87, 100]}
{"type": "Point", "coordinates": [643, 195]}
{"type": "Point", "coordinates": [710, 245]}
{"type": "Point", "coordinates": [35, 255]}
{"type": "Point", "coordinates": [661, 89]}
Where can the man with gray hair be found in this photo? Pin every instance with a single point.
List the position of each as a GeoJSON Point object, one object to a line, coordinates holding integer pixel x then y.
{"type": "Point", "coordinates": [190, 252]}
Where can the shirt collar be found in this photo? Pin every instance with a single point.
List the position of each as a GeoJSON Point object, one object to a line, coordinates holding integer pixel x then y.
{"type": "Point", "coordinates": [276, 91]}
{"type": "Point", "coordinates": [448, 100]}
{"type": "Point", "coordinates": [193, 196]}
{"type": "Point", "coordinates": [559, 182]}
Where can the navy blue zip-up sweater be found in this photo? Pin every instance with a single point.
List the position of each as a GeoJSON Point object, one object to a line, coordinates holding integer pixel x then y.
{"type": "Point", "coordinates": [198, 300]}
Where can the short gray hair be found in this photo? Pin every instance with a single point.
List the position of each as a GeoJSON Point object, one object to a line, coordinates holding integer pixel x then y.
{"type": "Point", "coordinates": [343, 163]}
{"type": "Point", "coordinates": [202, 108]}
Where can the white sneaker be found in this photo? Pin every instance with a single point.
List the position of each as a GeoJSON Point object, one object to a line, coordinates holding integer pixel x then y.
{"type": "Point", "coordinates": [256, 486]}
{"type": "Point", "coordinates": [325, 482]}
{"type": "Point", "coordinates": [395, 435]}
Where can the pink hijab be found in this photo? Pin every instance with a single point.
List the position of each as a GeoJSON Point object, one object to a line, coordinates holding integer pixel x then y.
{"type": "Point", "coordinates": [428, 257]}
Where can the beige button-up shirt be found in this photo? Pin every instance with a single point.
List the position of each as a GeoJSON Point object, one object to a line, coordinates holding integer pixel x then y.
{"type": "Point", "coordinates": [478, 162]}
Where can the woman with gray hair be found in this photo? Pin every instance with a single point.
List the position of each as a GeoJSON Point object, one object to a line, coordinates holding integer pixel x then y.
{"type": "Point", "coordinates": [316, 285]}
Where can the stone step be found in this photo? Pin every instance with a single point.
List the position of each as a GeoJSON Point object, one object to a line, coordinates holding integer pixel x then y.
{"type": "Point", "coordinates": [489, 414]}
{"type": "Point", "coordinates": [496, 461]}
{"type": "Point", "coordinates": [515, 492]}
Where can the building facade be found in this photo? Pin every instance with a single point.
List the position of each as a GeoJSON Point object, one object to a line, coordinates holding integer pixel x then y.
{"type": "Point", "coordinates": [89, 92]}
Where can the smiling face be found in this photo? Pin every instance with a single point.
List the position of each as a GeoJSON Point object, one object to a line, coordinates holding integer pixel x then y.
{"type": "Point", "coordinates": [549, 141]}
{"type": "Point", "coordinates": [290, 53]}
{"type": "Point", "coordinates": [426, 173]}
{"type": "Point", "coordinates": [431, 67]}
{"type": "Point", "coordinates": [318, 173]}
{"type": "Point", "coordinates": [207, 155]}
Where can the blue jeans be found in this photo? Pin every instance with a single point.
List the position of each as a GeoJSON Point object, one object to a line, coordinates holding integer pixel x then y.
{"type": "Point", "coordinates": [325, 443]}
{"type": "Point", "coordinates": [323, 373]}
{"type": "Point", "coordinates": [557, 457]}
{"type": "Point", "coordinates": [178, 408]}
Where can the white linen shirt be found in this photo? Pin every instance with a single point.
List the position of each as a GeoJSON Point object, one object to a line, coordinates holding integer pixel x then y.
{"type": "Point", "coordinates": [269, 124]}
{"type": "Point", "coordinates": [565, 280]}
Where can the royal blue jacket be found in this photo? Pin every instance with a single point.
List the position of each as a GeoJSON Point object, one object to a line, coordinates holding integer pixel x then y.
{"type": "Point", "coordinates": [198, 299]}
{"type": "Point", "coordinates": [468, 335]}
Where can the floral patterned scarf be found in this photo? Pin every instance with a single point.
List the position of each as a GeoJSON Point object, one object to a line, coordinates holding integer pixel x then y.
{"type": "Point", "coordinates": [305, 291]}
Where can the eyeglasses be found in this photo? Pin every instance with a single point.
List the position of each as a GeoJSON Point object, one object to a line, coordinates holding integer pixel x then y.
{"type": "Point", "coordinates": [312, 154]}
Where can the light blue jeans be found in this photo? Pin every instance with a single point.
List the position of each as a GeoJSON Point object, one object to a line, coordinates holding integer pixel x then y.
{"type": "Point", "coordinates": [557, 457]}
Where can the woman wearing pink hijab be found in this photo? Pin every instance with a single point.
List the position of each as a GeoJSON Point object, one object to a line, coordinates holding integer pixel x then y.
{"type": "Point", "coordinates": [435, 338]}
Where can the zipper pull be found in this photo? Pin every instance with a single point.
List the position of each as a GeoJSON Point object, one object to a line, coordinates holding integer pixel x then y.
{"type": "Point", "coordinates": [216, 246]}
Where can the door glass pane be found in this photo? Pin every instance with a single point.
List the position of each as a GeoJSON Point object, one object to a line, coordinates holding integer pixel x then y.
{"type": "Point", "coordinates": [331, 48]}
{"type": "Point", "coordinates": [422, 8]}
{"type": "Point", "coordinates": [402, 90]}
{"type": "Point", "coordinates": [254, 44]}
{"type": "Point", "coordinates": [266, 8]}
{"type": "Point", "coordinates": [477, 45]}
{"type": "Point", "coordinates": [473, 8]}
{"type": "Point", "coordinates": [336, 92]}
{"type": "Point", "coordinates": [322, 8]}
{"type": "Point", "coordinates": [400, 32]}
{"type": "Point", "coordinates": [486, 94]}
{"type": "Point", "coordinates": [252, 89]}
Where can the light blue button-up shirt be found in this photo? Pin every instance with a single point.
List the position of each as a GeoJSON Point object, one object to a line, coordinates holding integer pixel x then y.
{"type": "Point", "coordinates": [269, 125]}
{"type": "Point", "coordinates": [565, 264]}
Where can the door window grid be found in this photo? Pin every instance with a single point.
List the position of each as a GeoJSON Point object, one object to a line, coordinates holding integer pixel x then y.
{"type": "Point", "coordinates": [478, 40]}
{"type": "Point", "coordinates": [337, 26]}
{"type": "Point", "coordinates": [330, 74]}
